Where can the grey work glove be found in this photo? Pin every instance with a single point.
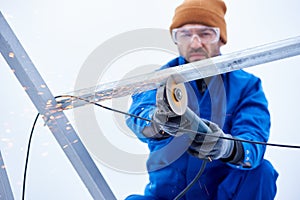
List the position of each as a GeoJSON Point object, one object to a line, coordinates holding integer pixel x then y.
{"type": "Point", "coordinates": [210, 145]}
{"type": "Point", "coordinates": [164, 124]}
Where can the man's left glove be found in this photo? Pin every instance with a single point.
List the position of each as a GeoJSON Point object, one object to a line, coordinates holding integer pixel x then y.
{"type": "Point", "coordinates": [210, 145]}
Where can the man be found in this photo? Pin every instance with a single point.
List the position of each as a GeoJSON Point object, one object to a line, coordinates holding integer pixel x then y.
{"type": "Point", "coordinates": [233, 105]}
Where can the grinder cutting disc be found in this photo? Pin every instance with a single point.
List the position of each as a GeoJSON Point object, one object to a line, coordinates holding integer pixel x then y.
{"type": "Point", "coordinates": [176, 96]}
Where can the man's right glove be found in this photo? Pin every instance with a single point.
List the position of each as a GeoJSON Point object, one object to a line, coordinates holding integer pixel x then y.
{"type": "Point", "coordinates": [210, 145]}
{"type": "Point", "coordinates": [213, 146]}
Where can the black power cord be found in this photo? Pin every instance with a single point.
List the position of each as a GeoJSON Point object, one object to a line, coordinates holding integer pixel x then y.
{"type": "Point", "coordinates": [27, 155]}
{"type": "Point", "coordinates": [178, 128]}
{"type": "Point", "coordinates": [198, 175]}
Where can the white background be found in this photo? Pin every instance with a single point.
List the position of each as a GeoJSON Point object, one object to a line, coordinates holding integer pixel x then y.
{"type": "Point", "coordinates": [59, 36]}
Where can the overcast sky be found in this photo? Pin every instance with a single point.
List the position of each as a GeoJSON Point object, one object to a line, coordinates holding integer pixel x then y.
{"type": "Point", "coordinates": [61, 36]}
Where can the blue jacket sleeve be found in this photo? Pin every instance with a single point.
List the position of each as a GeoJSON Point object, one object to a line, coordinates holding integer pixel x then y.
{"type": "Point", "coordinates": [251, 120]}
{"type": "Point", "coordinates": [143, 105]}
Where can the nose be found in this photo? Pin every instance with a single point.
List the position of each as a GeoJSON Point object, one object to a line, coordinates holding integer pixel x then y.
{"type": "Point", "coordinates": [196, 41]}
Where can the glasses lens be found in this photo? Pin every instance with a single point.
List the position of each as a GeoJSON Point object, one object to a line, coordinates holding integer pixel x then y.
{"type": "Point", "coordinates": [207, 35]}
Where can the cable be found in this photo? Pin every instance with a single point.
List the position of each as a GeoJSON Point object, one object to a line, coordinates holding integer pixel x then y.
{"type": "Point", "coordinates": [148, 120]}
{"type": "Point", "coordinates": [27, 156]}
{"type": "Point", "coordinates": [179, 129]}
{"type": "Point", "coordinates": [204, 162]}
{"type": "Point", "coordinates": [198, 175]}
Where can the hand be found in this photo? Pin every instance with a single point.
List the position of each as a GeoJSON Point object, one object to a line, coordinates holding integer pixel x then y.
{"type": "Point", "coordinates": [210, 145]}
{"type": "Point", "coordinates": [164, 121]}
{"type": "Point", "coordinates": [164, 124]}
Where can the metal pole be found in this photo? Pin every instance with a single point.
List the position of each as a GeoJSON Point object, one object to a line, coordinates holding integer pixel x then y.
{"type": "Point", "coordinates": [188, 72]}
{"type": "Point", "coordinates": [5, 189]}
{"type": "Point", "coordinates": [30, 79]}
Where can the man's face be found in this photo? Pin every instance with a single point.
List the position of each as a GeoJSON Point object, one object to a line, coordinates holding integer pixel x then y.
{"type": "Point", "coordinates": [196, 42]}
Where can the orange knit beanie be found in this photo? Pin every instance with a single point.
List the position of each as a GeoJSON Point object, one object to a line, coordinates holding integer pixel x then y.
{"type": "Point", "coordinates": [206, 12]}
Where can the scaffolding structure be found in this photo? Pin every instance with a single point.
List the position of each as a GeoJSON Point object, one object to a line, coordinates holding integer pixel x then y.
{"type": "Point", "coordinates": [54, 117]}
{"type": "Point", "coordinates": [34, 85]}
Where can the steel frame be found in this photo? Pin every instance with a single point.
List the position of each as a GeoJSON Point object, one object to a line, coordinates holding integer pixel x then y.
{"type": "Point", "coordinates": [5, 189]}
{"type": "Point", "coordinates": [53, 114]}
{"type": "Point", "coordinates": [41, 96]}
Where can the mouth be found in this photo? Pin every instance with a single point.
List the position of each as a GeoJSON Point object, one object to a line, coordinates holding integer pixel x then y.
{"type": "Point", "coordinates": [197, 56]}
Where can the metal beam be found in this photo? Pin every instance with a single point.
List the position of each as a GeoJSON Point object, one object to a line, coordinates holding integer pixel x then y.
{"type": "Point", "coordinates": [5, 189]}
{"type": "Point", "coordinates": [30, 79]}
{"type": "Point", "coordinates": [188, 72]}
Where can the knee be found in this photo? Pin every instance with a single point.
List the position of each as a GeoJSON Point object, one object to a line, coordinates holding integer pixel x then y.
{"type": "Point", "coordinates": [258, 183]}
{"type": "Point", "coordinates": [265, 171]}
{"type": "Point", "coordinates": [265, 175]}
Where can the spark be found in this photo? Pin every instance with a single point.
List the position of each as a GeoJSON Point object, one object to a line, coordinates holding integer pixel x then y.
{"type": "Point", "coordinates": [69, 107]}
{"type": "Point", "coordinates": [45, 154]}
{"type": "Point", "coordinates": [58, 116]}
{"type": "Point", "coordinates": [75, 141]}
{"type": "Point", "coordinates": [206, 190]}
{"type": "Point", "coordinates": [8, 130]}
{"type": "Point", "coordinates": [10, 144]}
{"type": "Point", "coordinates": [11, 55]}
{"type": "Point", "coordinates": [49, 102]}
{"type": "Point", "coordinates": [19, 182]}
{"type": "Point", "coordinates": [58, 105]}
{"type": "Point", "coordinates": [5, 139]}
{"type": "Point", "coordinates": [200, 184]}
{"type": "Point", "coordinates": [100, 94]}
{"type": "Point", "coordinates": [45, 144]}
